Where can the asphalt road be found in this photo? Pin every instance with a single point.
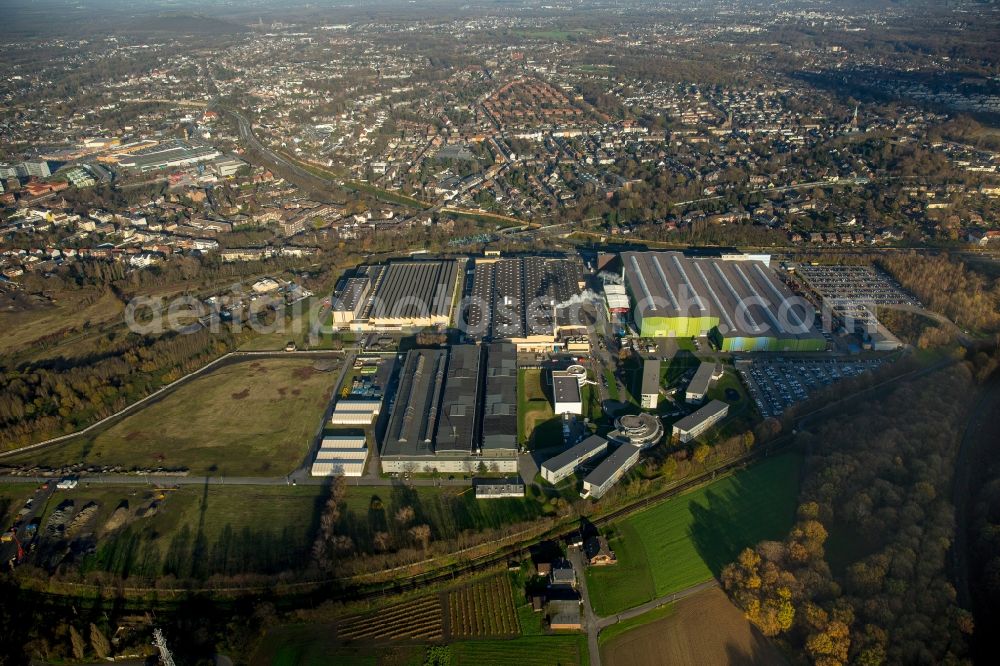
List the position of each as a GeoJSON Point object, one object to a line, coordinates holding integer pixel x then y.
{"type": "Point", "coordinates": [593, 624]}
{"type": "Point", "coordinates": [170, 480]}
{"type": "Point", "coordinates": [590, 619]}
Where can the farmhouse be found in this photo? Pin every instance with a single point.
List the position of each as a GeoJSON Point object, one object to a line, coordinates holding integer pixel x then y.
{"type": "Point", "coordinates": [598, 552]}
{"type": "Point", "coordinates": [564, 615]}
{"type": "Point", "coordinates": [563, 575]}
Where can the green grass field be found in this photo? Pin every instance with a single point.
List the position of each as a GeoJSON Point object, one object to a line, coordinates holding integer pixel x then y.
{"type": "Point", "coordinates": [65, 318]}
{"type": "Point", "coordinates": [612, 384]}
{"type": "Point", "coordinates": [537, 424]}
{"type": "Point", "coordinates": [229, 530]}
{"type": "Point", "coordinates": [254, 418]}
{"type": "Point", "coordinates": [524, 651]}
{"type": "Point", "coordinates": [627, 583]}
{"type": "Point", "coordinates": [689, 539]}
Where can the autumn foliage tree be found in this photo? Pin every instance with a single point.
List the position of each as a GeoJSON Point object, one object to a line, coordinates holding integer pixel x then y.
{"type": "Point", "coordinates": [882, 477]}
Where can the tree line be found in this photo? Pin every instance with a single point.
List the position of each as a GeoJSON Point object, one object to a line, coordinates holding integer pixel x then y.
{"type": "Point", "coordinates": [863, 576]}
{"type": "Point", "coordinates": [947, 286]}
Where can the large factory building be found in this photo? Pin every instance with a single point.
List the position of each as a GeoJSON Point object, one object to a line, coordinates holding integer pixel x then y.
{"type": "Point", "coordinates": [398, 296]}
{"type": "Point", "coordinates": [532, 302]}
{"type": "Point", "coordinates": [741, 304]}
{"type": "Point", "coordinates": [445, 401]}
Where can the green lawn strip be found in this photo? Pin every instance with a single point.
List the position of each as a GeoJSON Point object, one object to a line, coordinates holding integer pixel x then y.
{"type": "Point", "coordinates": [523, 651]}
{"type": "Point", "coordinates": [612, 384]}
{"type": "Point", "coordinates": [625, 584]}
{"type": "Point", "coordinates": [614, 631]}
{"type": "Point", "coordinates": [689, 539]}
{"type": "Point", "coordinates": [534, 408]}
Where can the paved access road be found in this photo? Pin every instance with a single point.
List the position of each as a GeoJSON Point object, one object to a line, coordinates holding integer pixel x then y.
{"type": "Point", "coordinates": [593, 623]}
{"type": "Point", "coordinates": [171, 480]}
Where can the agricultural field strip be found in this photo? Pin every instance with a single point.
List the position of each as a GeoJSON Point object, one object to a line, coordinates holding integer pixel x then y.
{"type": "Point", "coordinates": [485, 608]}
{"type": "Point", "coordinates": [418, 619]}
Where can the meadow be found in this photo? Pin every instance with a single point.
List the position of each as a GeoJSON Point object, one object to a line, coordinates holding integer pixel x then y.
{"type": "Point", "coordinates": [252, 418]}
{"type": "Point", "coordinates": [689, 539]}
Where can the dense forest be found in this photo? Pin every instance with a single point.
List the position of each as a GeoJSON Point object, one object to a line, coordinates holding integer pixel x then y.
{"type": "Point", "coordinates": [863, 575]}
{"type": "Point", "coordinates": [948, 287]}
{"type": "Point", "coordinates": [983, 522]}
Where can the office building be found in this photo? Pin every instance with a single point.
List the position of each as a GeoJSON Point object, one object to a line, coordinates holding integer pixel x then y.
{"type": "Point", "coordinates": [704, 376]}
{"type": "Point", "coordinates": [609, 472]}
{"type": "Point", "coordinates": [698, 422]}
{"type": "Point", "coordinates": [650, 383]}
{"type": "Point", "coordinates": [557, 468]}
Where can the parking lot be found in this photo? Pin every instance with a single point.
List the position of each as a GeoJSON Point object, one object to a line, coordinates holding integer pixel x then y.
{"type": "Point", "coordinates": [776, 384]}
{"type": "Point", "coordinates": [855, 283]}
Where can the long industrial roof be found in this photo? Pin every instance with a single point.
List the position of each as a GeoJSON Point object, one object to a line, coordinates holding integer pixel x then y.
{"type": "Point", "coordinates": [456, 427]}
{"type": "Point", "coordinates": [412, 289]}
{"type": "Point", "coordinates": [414, 414]}
{"type": "Point", "coordinates": [436, 403]}
{"type": "Point", "coordinates": [500, 398]}
{"type": "Point", "coordinates": [516, 297]}
{"type": "Point", "coordinates": [745, 296]}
